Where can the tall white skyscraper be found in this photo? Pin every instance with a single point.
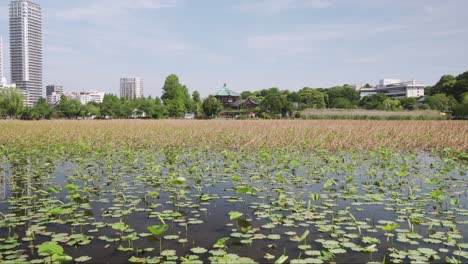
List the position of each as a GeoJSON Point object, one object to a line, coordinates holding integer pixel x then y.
{"type": "Point", "coordinates": [26, 48]}
{"type": "Point", "coordinates": [131, 88]}
{"type": "Point", "coordinates": [3, 81]}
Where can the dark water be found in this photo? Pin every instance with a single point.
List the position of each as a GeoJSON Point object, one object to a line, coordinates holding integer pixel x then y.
{"type": "Point", "coordinates": [116, 187]}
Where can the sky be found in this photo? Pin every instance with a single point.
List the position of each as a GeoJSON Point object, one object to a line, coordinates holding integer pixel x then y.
{"type": "Point", "coordinates": [248, 44]}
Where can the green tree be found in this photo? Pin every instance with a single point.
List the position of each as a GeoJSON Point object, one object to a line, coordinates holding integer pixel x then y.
{"type": "Point", "coordinates": [172, 89]}
{"type": "Point", "coordinates": [408, 103]}
{"type": "Point", "coordinates": [11, 102]}
{"type": "Point", "coordinates": [43, 109]}
{"type": "Point", "coordinates": [75, 109]}
{"type": "Point", "coordinates": [346, 92]}
{"type": "Point", "coordinates": [392, 104]}
{"type": "Point", "coordinates": [196, 97]}
{"type": "Point", "coordinates": [311, 98]}
{"type": "Point", "coordinates": [175, 108]}
{"type": "Point", "coordinates": [373, 102]}
{"type": "Point", "coordinates": [460, 110]}
{"type": "Point", "coordinates": [343, 103]}
{"type": "Point", "coordinates": [91, 109]}
{"type": "Point", "coordinates": [197, 103]}
{"type": "Point", "coordinates": [160, 110]}
{"type": "Point", "coordinates": [212, 107]}
{"type": "Point", "coordinates": [439, 102]}
{"type": "Point", "coordinates": [276, 104]}
{"type": "Point", "coordinates": [246, 94]}
{"type": "Point", "coordinates": [110, 106]}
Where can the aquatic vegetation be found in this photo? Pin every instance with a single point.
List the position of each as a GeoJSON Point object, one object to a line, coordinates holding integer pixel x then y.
{"type": "Point", "coordinates": [116, 202]}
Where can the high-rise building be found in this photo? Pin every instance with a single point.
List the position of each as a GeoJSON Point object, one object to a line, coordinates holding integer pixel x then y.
{"type": "Point", "coordinates": [131, 88]}
{"type": "Point", "coordinates": [26, 48]}
{"type": "Point", "coordinates": [53, 93]}
{"type": "Point", "coordinates": [3, 81]}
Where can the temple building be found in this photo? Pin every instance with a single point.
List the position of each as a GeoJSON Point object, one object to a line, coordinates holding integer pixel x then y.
{"type": "Point", "coordinates": [227, 97]}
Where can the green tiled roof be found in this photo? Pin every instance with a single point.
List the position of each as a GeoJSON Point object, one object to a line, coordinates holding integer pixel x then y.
{"type": "Point", "coordinates": [226, 92]}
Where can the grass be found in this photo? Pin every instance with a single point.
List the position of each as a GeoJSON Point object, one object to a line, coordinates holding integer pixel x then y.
{"type": "Point", "coordinates": [241, 135]}
{"type": "Point", "coordinates": [362, 114]}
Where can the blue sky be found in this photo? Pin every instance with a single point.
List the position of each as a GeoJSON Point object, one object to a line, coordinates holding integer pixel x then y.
{"type": "Point", "coordinates": [249, 44]}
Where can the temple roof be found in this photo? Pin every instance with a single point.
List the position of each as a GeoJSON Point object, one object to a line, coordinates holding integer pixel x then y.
{"type": "Point", "coordinates": [226, 92]}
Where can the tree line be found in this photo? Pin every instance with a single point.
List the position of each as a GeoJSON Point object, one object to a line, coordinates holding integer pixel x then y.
{"type": "Point", "coordinates": [449, 94]}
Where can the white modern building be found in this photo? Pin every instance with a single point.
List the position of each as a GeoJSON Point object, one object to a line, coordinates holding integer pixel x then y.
{"type": "Point", "coordinates": [86, 97]}
{"type": "Point", "coordinates": [91, 96]}
{"type": "Point", "coordinates": [395, 88]}
{"type": "Point", "coordinates": [26, 48]}
{"type": "Point", "coordinates": [53, 93]}
{"type": "Point", "coordinates": [131, 88]}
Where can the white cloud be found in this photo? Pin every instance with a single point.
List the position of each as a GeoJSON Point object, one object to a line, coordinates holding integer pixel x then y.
{"type": "Point", "coordinates": [97, 9]}
{"type": "Point", "coordinates": [312, 37]}
{"type": "Point", "coordinates": [277, 6]}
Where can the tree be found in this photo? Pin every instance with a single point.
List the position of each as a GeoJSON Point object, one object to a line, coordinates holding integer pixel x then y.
{"type": "Point", "coordinates": [460, 110]}
{"type": "Point", "coordinates": [246, 94]}
{"type": "Point", "coordinates": [311, 98]}
{"type": "Point", "coordinates": [11, 102]}
{"type": "Point", "coordinates": [343, 103]}
{"type": "Point", "coordinates": [176, 97]}
{"type": "Point", "coordinates": [372, 102]}
{"type": "Point", "coordinates": [175, 108]}
{"type": "Point", "coordinates": [197, 103]}
{"type": "Point", "coordinates": [460, 88]}
{"type": "Point", "coordinates": [392, 104]}
{"type": "Point", "coordinates": [276, 104]}
{"type": "Point", "coordinates": [43, 109]}
{"type": "Point", "coordinates": [172, 89]}
{"type": "Point", "coordinates": [212, 107]}
{"type": "Point", "coordinates": [110, 105]}
{"type": "Point", "coordinates": [91, 109]}
{"type": "Point", "coordinates": [346, 92]}
{"type": "Point", "coordinates": [367, 86]}
{"type": "Point", "coordinates": [75, 109]}
{"type": "Point", "coordinates": [408, 103]}
{"type": "Point", "coordinates": [160, 110]}
{"type": "Point", "coordinates": [438, 102]}
{"type": "Point", "coordinates": [196, 97]}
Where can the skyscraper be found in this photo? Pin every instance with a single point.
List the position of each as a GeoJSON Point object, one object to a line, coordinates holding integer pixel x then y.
{"type": "Point", "coordinates": [2, 76]}
{"type": "Point", "coordinates": [131, 88]}
{"type": "Point", "coordinates": [26, 48]}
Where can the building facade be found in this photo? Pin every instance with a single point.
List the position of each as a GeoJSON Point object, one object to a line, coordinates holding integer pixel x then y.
{"type": "Point", "coordinates": [26, 48]}
{"type": "Point", "coordinates": [131, 88]}
{"type": "Point", "coordinates": [91, 96]}
{"type": "Point", "coordinates": [394, 88]}
{"type": "Point", "coordinates": [86, 97]}
{"type": "Point", "coordinates": [53, 93]}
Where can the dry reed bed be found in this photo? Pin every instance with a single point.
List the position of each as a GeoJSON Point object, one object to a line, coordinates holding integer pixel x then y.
{"type": "Point", "coordinates": [363, 112]}
{"type": "Point", "coordinates": [249, 134]}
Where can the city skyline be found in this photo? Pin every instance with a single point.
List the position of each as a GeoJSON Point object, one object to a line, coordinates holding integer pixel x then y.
{"type": "Point", "coordinates": [284, 43]}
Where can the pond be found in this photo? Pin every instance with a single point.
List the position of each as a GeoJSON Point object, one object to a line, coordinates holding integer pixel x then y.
{"type": "Point", "coordinates": [264, 206]}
